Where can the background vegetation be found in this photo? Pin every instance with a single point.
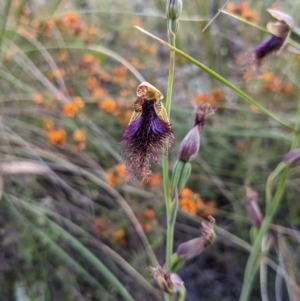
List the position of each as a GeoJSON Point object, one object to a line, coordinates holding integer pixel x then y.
{"type": "Point", "coordinates": [72, 227]}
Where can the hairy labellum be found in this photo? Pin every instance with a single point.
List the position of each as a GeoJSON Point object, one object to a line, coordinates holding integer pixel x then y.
{"type": "Point", "coordinates": [268, 47]}
{"type": "Point", "coordinates": [144, 137]}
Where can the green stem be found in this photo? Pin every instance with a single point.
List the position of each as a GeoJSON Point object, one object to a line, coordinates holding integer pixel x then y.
{"type": "Point", "coordinates": [170, 224]}
{"type": "Point", "coordinates": [252, 263]}
{"type": "Point", "coordinates": [296, 141]}
{"type": "Point", "coordinates": [166, 179]}
{"type": "Point", "coordinates": [171, 73]}
{"type": "Point", "coordinates": [272, 207]}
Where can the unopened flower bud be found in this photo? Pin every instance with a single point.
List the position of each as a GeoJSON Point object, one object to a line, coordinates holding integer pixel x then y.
{"type": "Point", "coordinates": [194, 247]}
{"type": "Point", "coordinates": [174, 9]}
{"type": "Point", "coordinates": [254, 213]}
{"type": "Point", "coordinates": [190, 145]}
{"type": "Point", "coordinates": [180, 175]}
{"type": "Point", "coordinates": [293, 157]}
{"type": "Point", "coordinates": [169, 282]}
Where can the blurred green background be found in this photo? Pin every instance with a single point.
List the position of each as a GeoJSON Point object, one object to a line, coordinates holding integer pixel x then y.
{"type": "Point", "coordinates": [72, 226]}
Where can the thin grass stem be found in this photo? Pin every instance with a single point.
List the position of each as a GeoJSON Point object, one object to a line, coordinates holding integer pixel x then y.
{"type": "Point", "coordinates": [272, 207]}
{"type": "Point", "coordinates": [166, 179]}
{"type": "Point", "coordinates": [84, 252]}
{"type": "Point", "coordinates": [220, 79]}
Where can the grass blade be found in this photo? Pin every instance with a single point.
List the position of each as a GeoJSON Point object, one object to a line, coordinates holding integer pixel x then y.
{"type": "Point", "coordinates": [87, 254]}
{"type": "Point", "coordinates": [219, 78]}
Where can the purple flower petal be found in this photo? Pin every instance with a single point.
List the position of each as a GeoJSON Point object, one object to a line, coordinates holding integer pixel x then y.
{"type": "Point", "coordinates": [268, 46]}
{"type": "Point", "coordinates": [189, 146]}
{"type": "Point", "coordinates": [143, 141]}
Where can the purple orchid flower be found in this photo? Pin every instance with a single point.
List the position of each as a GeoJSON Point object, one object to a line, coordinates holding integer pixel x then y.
{"type": "Point", "coordinates": [147, 132]}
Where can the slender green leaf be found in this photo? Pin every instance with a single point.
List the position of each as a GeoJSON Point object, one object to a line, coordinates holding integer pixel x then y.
{"type": "Point", "coordinates": [219, 78]}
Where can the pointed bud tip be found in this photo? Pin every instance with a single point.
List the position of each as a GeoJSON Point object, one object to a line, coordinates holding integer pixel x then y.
{"type": "Point", "coordinates": [190, 145]}
{"type": "Point", "coordinates": [202, 111]}
{"type": "Point", "coordinates": [173, 9]}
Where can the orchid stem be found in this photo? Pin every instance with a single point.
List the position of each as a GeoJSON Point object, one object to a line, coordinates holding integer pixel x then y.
{"type": "Point", "coordinates": [166, 179]}
{"type": "Point", "coordinates": [170, 224]}
{"type": "Point", "coordinates": [171, 73]}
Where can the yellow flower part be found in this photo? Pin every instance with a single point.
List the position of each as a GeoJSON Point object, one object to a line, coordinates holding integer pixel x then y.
{"type": "Point", "coordinates": [217, 94]}
{"type": "Point", "coordinates": [63, 55]}
{"type": "Point", "coordinates": [92, 30]}
{"type": "Point", "coordinates": [78, 102]}
{"type": "Point", "coordinates": [104, 76]}
{"type": "Point", "coordinates": [203, 97]}
{"type": "Point", "coordinates": [48, 124]}
{"type": "Point", "coordinates": [209, 210]}
{"type": "Point", "coordinates": [121, 170]}
{"type": "Point", "coordinates": [231, 7]}
{"type": "Point", "coordinates": [57, 136]}
{"type": "Point", "coordinates": [78, 136]}
{"type": "Point", "coordinates": [70, 18]}
{"type": "Point", "coordinates": [87, 58]}
{"type": "Point", "coordinates": [186, 193]}
{"type": "Point", "coordinates": [192, 203]}
{"type": "Point", "coordinates": [149, 214]}
{"type": "Point", "coordinates": [108, 105]}
{"type": "Point", "coordinates": [91, 83]}
{"type": "Point", "coordinates": [117, 175]}
{"type": "Point", "coordinates": [59, 72]}
{"type": "Point", "coordinates": [38, 98]}
{"type": "Point", "coordinates": [124, 117]}
{"type": "Point", "coordinates": [154, 181]}
{"type": "Point", "coordinates": [189, 206]}
{"type": "Point", "coordinates": [70, 109]}
{"type": "Point", "coordinates": [267, 77]}
{"type": "Point", "coordinates": [119, 234]}
{"type": "Point", "coordinates": [125, 93]}
{"type": "Point", "coordinates": [98, 93]}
